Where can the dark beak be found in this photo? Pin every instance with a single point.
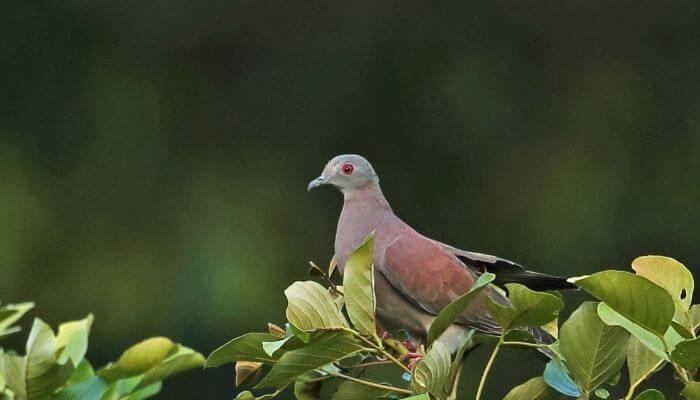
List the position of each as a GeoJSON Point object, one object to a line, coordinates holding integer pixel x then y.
{"type": "Point", "coordinates": [321, 180]}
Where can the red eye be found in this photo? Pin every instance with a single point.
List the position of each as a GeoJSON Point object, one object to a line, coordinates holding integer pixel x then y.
{"type": "Point", "coordinates": [348, 168]}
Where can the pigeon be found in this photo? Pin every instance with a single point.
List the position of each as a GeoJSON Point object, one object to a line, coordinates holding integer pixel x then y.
{"type": "Point", "coordinates": [415, 277]}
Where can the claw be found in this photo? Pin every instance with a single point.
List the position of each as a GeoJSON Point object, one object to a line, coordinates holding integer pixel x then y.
{"type": "Point", "coordinates": [413, 358]}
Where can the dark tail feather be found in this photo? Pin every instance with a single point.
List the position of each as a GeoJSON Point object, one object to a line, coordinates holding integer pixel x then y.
{"type": "Point", "coordinates": [533, 280]}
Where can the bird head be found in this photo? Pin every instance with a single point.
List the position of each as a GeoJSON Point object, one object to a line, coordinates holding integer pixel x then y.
{"type": "Point", "coordinates": [347, 172]}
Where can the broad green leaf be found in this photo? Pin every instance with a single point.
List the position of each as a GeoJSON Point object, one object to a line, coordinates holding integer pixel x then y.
{"type": "Point", "coordinates": [558, 378]}
{"type": "Point", "coordinates": [602, 393]}
{"type": "Point", "coordinates": [432, 374]}
{"type": "Point", "coordinates": [310, 306]}
{"type": "Point", "coordinates": [272, 347]}
{"type": "Point", "coordinates": [534, 389]}
{"type": "Point", "coordinates": [38, 374]}
{"type": "Point", "coordinates": [650, 394]}
{"type": "Point", "coordinates": [81, 373]}
{"type": "Point", "coordinates": [528, 308]}
{"type": "Point", "coordinates": [670, 275]}
{"type": "Point", "coordinates": [138, 359]}
{"type": "Point", "coordinates": [358, 289]}
{"type": "Point", "coordinates": [694, 314]}
{"type": "Point", "coordinates": [682, 329]}
{"type": "Point", "coordinates": [122, 387]}
{"type": "Point", "coordinates": [650, 340]}
{"type": "Point", "coordinates": [642, 362]}
{"type": "Point", "coordinates": [243, 348]}
{"type": "Point", "coordinates": [179, 360]}
{"type": "Point", "coordinates": [152, 360]}
{"type": "Point", "coordinates": [450, 313]}
{"type": "Point", "coordinates": [307, 390]}
{"type": "Point", "coordinates": [691, 391]}
{"type": "Point", "coordinates": [349, 390]}
{"type": "Point", "coordinates": [594, 352]}
{"type": "Point", "coordinates": [72, 340]}
{"type": "Point", "coordinates": [145, 392]}
{"type": "Point", "coordinates": [687, 354]}
{"type": "Point", "coordinates": [324, 347]}
{"type": "Point", "coordinates": [423, 396]}
{"type": "Point", "coordinates": [247, 371]}
{"type": "Point", "coordinates": [91, 389]}
{"type": "Point", "coordinates": [636, 298]}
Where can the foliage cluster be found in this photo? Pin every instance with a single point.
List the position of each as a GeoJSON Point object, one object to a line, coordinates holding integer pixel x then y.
{"type": "Point", "coordinates": [54, 366]}
{"type": "Point", "coordinates": [643, 319]}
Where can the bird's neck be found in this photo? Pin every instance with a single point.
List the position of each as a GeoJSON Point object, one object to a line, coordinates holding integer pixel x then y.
{"type": "Point", "coordinates": [369, 198]}
{"type": "Point", "coordinates": [363, 212]}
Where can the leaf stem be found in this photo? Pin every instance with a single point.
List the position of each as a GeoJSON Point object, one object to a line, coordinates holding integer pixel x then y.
{"type": "Point", "coordinates": [371, 384]}
{"type": "Point", "coordinates": [683, 375]}
{"type": "Point", "coordinates": [489, 364]}
{"type": "Point", "coordinates": [634, 385]}
{"type": "Point", "coordinates": [371, 364]}
{"type": "Point", "coordinates": [525, 344]}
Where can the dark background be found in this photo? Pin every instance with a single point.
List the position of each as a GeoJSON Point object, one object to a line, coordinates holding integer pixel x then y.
{"type": "Point", "coordinates": [154, 156]}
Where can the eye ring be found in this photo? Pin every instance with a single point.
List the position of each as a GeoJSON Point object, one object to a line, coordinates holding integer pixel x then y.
{"type": "Point", "coordinates": [347, 168]}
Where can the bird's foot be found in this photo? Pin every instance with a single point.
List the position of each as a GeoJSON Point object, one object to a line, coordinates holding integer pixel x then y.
{"type": "Point", "coordinates": [413, 358]}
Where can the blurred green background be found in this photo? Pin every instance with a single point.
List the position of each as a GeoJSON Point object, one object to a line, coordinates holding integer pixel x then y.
{"type": "Point", "coordinates": [154, 156]}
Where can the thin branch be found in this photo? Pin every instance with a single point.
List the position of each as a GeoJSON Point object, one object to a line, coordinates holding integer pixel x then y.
{"type": "Point", "coordinates": [525, 344]}
{"type": "Point", "coordinates": [371, 364]}
{"type": "Point", "coordinates": [489, 364]}
{"type": "Point", "coordinates": [382, 351]}
{"type": "Point", "coordinates": [633, 386]}
{"type": "Point", "coordinates": [371, 384]}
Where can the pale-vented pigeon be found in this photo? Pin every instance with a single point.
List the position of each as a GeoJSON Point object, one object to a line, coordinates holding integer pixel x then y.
{"type": "Point", "coordinates": [415, 276]}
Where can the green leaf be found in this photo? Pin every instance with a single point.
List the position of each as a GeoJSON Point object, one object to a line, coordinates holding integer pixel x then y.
{"type": "Point", "coordinates": [432, 374]}
{"type": "Point", "coordinates": [450, 313]}
{"type": "Point", "coordinates": [528, 308]}
{"type": "Point", "coordinates": [558, 377]}
{"type": "Point", "coordinates": [323, 348]}
{"type": "Point", "coordinates": [145, 392]}
{"type": "Point", "coordinates": [642, 362]}
{"type": "Point", "coordinates": [72, 340]}
{"type": "Point", "coordinates": [349, 390]}
{"type": "Point", "coordinates": [11, 313]}
{"type": "Point", "coordinates": [307, 390]}
{"type": "Point", "coordinates": [248, 347]}
{"type": "Point", "coordinates": [534, 389]}
{"type": "Point", "coordinates": [650, 340]}
{"type": "Point", "coordinates": [687, 354]}
{"type": "Point", "coordinates": [152, 360]}
{"type": "Point", "coordinates": [247, 371]}
{"type": "Point", "coordinates": [38, 374]}
{"type": "Point", "coordinates": [602, 393]}
{"type": "Point", "coordinates": [91, 389]}
{"type": "Point", "coordinates": [650, 394]}
{"type": "Point", "coordinates": [423, 396]}
{"type": "Point", "coordinates": [691, 391]}
{"type": "Point", "coordinates": [635, 297]}
{"type": "Point", "coordinates": [179, 360]}
{"type": "Point", "coordinates": [594, 352]}
{"type": "Point", "coordinates": [670, 275]}
{"type": "Point", "coordinates": [694, 314]}
{"type": "Point", "coordinates": [358, 289]}
{"type": "Point", "coordinates": [310, 306]}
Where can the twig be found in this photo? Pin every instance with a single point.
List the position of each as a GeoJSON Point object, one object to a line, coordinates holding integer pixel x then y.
{"type": "Point", "coordinates": [525, 344]}
{"type": "Point", "coordinates": [371, 384]}
{"type": "Point", "coordinates": [633, 386]}
{"type": "Point", "coordinates": [489, 364]}
{"type": "Point", "coordinates": [381, 350]}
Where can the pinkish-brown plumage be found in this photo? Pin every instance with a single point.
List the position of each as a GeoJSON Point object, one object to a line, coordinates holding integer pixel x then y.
{"type": "Point", "coordinates": [415, 276]}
